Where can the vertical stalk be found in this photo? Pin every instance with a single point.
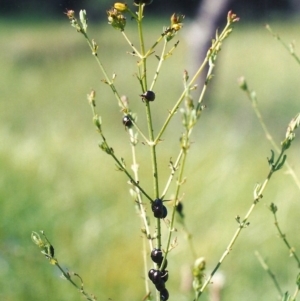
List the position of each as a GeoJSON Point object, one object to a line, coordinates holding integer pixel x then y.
{"type": "Point", "coordinates": [152, 145]}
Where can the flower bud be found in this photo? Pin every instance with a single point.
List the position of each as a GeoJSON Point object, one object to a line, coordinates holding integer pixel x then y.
{"type": "Point", "coordinates": [242, 83]}
{"type": "Point", "coordinates": [37, 239]}
{"type": "Point", "coordinates": [95, 47]}
{"type": "Point", "coordinates": [120, 6]}
{"type": "Point", "coordinates": [91, 98]}
{"type": "Point", "coordinates": [176, 20]}
{"type": "Point", "coordinates": [116, 19]}
{"type": "Point", "coordinates": [70, 14]}
{"type": "Point", "coordinates": [83, 18]}
{"type": "Point", "coordinates": [231, 17]}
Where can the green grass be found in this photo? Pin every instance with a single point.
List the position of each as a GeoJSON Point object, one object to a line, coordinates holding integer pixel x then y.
{"type": "Point", "coordinates": [54, 177]}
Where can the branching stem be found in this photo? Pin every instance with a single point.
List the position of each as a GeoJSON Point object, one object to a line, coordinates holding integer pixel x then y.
{"type": "Point", "coordinates": [244, 223]}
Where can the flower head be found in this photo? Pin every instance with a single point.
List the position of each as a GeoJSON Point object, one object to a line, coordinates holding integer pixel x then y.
{"type": "Point", "coordinates": [116, 19]}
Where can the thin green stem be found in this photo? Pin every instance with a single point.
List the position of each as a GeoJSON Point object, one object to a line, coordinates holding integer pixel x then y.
{"type": "Point", "coordinates": [142, 46]}
{"type": "Point", "coordinates": [147, 104]}
{"type": "Point", "coordinates": [48, 251]}
{"type": "Point", "coordinates": [252, 98]}
{"type": "Point", "coordinates": [214, 48]}
{"type": "Point", "coordinates": [171, 226]}
{"type": "Point", "coordinates": [121, 166]}
{"type": "Point", "coordinates": [173, 167]}
{"type": "Point", "coordinates": [134, 168]}
{"type": "Point", "coordinates": [198, 110]}
{"type": "Point", "coordinates": [119, 163]}
{"type": "Point", "coordinates": [290, 48]}
{"type": "Point", "coordinates": [208, 78]}
{"type": "Point", "coordinates": [145, 259]}
{"type": "Point", "coordinates": [154, 45]}
{"type": "Point", "coordinates": [271, 274]}
{"type": "Point", "coordinates": [180, 161]}
{"type": "Point", "coordinates": [131, 45]}
{"type": "Point", "coordinates": [112, 86]}
{"type": "Point", "coordinates": [159, 66]}
{"type": "Point", "coordinates": [68, 277]}
{"type": "Point", "coordinates": [242, 224]}
{"type": "Point", "coordinates": [153, 150]}
{"type": "Point", "coordinates": [283, 237]}
{"type": "Point", "coordinates": [143, 77]}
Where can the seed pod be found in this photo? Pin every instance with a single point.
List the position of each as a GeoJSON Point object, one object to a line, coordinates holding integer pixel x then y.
{"type": "Point", "coordinates": [164, 295]}
{"type": "Point", "coordinates": [157, 255]}
{"type": "Point", "coordinates": [156, 277]}
{"type": "Point", "coordinates": [157, 208]}
{"type": "Point", "coordinates": [150, 274]}
{"type": "Point", "coordinates": [148, 95]}
{"type": "Point", "coordinates": [165, 275]}
{"type": "Point", "coordinates": [160, 286]}
{"type": "Point", "coordinates": [165, 212]}
{"type": "Point", "coordinates": [127, 121]}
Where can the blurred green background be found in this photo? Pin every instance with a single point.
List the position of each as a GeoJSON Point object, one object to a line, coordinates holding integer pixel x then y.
{"type": "Point", "coordinates": [55, 178]}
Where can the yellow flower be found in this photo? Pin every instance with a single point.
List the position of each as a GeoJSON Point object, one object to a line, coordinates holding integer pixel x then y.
{"type": "Point", "coordinates": [177, 27]}
{"type": "Point", "coordinates": [120, 6]}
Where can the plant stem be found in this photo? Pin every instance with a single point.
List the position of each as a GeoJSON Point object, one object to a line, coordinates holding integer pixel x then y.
{"type": "Point", "coordinates": [214, 48]}
{"type": "Point", "coordinates": [283, 237]}
{"type": "Point", "coordinates": [68, 277]}
{"type": "Point", "coordinates": [137, 190]}
{"type": "Point", "coordinates": [142, 46]}
{"type": "Point", "coordinates": [289, 49]}
{"type": "Point", "coordinates": [271, 274]}
{"type": "Point", "coordinates": [131, 45]}
{"type": "Point", "coordinates": [159, 65]}
{"type": "Point", "coordinates": [269, 137]}
{"type": "Point", "coordinates": [143, 77]}
{"type": "Point", "coordinates": [243, 223]}
{"type": "Point", "coordinates": [171, 226]}
{"type": "Point", "coordinates": [119, 163]}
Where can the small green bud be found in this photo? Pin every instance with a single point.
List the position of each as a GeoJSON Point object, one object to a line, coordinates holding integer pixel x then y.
{"type": "Point", "coordinates": [199, 266]}
{"type": "Point", "coordinates": [242, 83]}
{"type": "Point", "coordinates": [95, 47]}
{"type": "Point", "coordinates": [293, 125]}
{"type": "Point", "coordinates": [83, 19]}
{"type": "Point", "coordinates": [91, 98]}
{"type": "Point", "coordinates": [185, 76]}
{"type": "Point", "coordinates": [273, 208]}
{"type": "Point", "coordinates": [97, 121]}
{"type": "Point", "coordinates": [198, 273]}
{"type": "Point", "coordinates": [290, 135]}
{"type": "Point", "coordinates": [48, 251]}
{"type": "Point", "coordinates": [37, 239]}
